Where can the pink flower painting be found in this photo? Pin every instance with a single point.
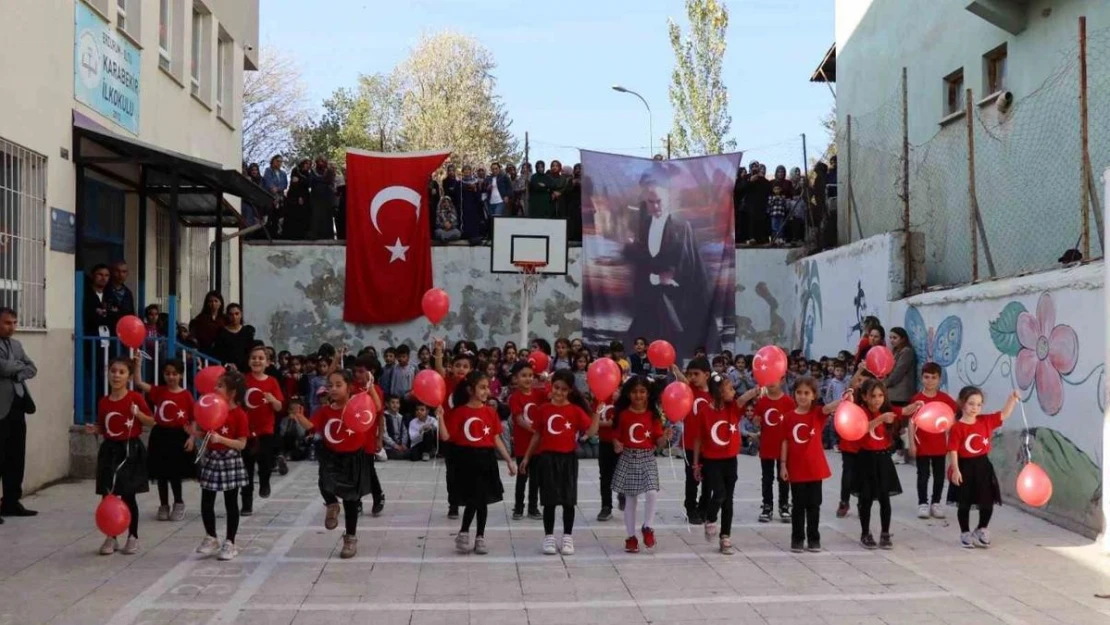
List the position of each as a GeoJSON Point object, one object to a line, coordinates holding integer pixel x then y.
{"type": "Point", "coordinates": [1048, 352]}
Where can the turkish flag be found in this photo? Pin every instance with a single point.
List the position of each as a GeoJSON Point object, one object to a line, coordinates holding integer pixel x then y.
{"type": "Point", "coordinates": [389, 248]}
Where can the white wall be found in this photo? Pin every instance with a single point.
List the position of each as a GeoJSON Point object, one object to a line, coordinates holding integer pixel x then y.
{"type": "Point", "coordinates": [765, 298]}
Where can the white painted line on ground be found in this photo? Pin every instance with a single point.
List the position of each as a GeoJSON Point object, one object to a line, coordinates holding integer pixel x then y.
{"type": "Point", "coordinates": [501, 606]}
{"type": "Point", "coordinates": [523, 526]}
{"type": "Point", "coordinates": [560, 560]}
{"type": "Point", "coordinates": [953, 587]}
{"type": "Point", "coordinates": [129, 613]}
{"type": "Point", "coordinates": [390, 502]}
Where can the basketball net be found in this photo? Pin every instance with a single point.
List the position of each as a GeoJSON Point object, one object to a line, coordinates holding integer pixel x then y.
{"type": "Point", "coordinates": [529, 277]}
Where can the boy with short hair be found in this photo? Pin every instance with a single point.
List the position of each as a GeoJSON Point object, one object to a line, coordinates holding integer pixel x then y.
{"type": "Point", "coordinates": [395, 439]}
{"type": "Point", "coordinates": [772, 405]}
{"type": "Point", "coordinates": [403, 374]}
{"type": "Point", "coordinates": [616, 352]}
{"type": "Point", "coordinates": [390, 356]}
{"type": "Point", "coordinates": [697, 376]}
{"type": "Point", "coordinates": [422, 434]}
{"type": "Point", "coordinates": [930, 449]}
{"type": "Point", "coordinates": [639, 364]}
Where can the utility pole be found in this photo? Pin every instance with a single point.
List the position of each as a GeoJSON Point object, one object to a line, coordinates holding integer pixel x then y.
{"type": "Point", "coordinates": [526, 160]}
{"type": "Point", "coordinates": [668, 146]}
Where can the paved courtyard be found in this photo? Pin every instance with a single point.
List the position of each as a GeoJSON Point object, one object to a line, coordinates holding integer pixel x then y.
{"type": "Point", "coordinates": [407, 571]}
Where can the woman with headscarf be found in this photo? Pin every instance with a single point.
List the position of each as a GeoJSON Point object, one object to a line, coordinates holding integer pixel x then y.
{"type": "Point", "coordinates": [472, 212]}
{"type": "Point", "coordinates": [207, 324]}
{"type": "Point", "coordinates": [297, 206]}
{"type": "Point", "coordinates": [322, 200]}
{"type": "Point", "coordinates": [796, 222]}
{"type": "Point", "coordinates": [520, 188]}
{"type": "Point", "coordinates": [756, 194]}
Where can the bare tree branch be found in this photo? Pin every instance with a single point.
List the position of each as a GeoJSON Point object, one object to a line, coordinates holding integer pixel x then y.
{"type": "Point", "coordinates": [273, 105]}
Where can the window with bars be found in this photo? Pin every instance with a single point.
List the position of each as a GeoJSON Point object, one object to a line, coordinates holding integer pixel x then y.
{"type": "Point", "coordinates": [23, 233]}
{"type": "Point", "coordinates": [165, 34]}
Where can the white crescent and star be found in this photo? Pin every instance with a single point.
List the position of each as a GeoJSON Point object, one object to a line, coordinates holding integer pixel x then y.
{"type": "Point", "coordinates": [702, 400]}
{"type": "Point", "coordinates": [767, 417]}
{"type": "Point", "coordinates": [968, 447]}
{"type": "Point", "coordinates": [797, 435]}
{"type": "Point", "coordinates": [874, 435]}
{"type": "Point", "coordinates": [717, 437]}
{"type": "Point", "coordinates": [524, 414]}
{"type": "Point", "coordinates": [162, 412]}
{"type": "Point", "coordinates": [108, 423]}
{"type": "Point", "coordinates": [247, 398]}
{"type": "Point", "coordinates": [632, 433]}
{"type": "Point", "coordinates": [397, 251]}
{"type": "Point", "coordinates": [328, 432]}
{"type": "Point", "coordinates": [466, 429]}
{"type": "Point", "coordinates": [364, 417]}
{"type": "Point", "coordinates": [551, 424]}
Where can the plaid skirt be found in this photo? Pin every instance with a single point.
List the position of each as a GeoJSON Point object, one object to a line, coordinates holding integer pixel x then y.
{"type": "Point", "coordinates": [222, 470]}
{"type": "Point", "coordinates": [167, 458]}
{"type": "Point", "coordinates": [637, 472]}
{"type": "Point", "coordinates": [121, 468]}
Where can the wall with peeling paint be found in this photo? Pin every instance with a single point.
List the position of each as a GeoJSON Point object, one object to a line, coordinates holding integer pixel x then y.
{"type": "Point", "coordinates": [765, 299]}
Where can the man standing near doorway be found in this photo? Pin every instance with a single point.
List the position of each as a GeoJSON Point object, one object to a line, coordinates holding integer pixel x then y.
{"type": "Point", "coordinates": [120, 300]}
{"type": "Point", "coordinates": [15, 402]}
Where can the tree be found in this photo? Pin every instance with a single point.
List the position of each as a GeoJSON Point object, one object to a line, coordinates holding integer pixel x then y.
{"type": "Point", "coordinates": [448, 101]}
{"type": "Point", "coordinates": [828, 122]}
{"type": "Point", "coordinates": [698, 96]}
{"type": "Point", "coordinates": [367, 117]}
{"type": "Point", "coordinates": [273, 104]}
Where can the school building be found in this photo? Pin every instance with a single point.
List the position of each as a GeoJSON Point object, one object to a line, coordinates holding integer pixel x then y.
{"type": "Point", "coordinates": [120, 139]}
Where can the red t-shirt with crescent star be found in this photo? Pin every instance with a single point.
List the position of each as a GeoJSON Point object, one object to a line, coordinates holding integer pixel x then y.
{"type": "Point", "coordinates": [638, 430]}
{"type": "Point", "coordinates": [879, 439]}
{"type": "Point", "coordinates": [927, 443]}
{"type": "Point", "coordinates": [971, 440]}
{"type": "Point", "coordinates": [772, 414]}
{"type": "Point", "coordinates": [328, 422]}
{"type": "Point", "coordinates": [720, 431]}
{"type": "Point", "coordinates": [606, 433]}
{"type": "Point", "coordinates": [518, 401]}
{"type": "Point", "coordinates": [171, 409]}
{"type": "Point", "coordinates": [473, 427]}
{"type": "Point", "coordinates": [115, 419]}
{"type": "Point", "coordinates": [805, 456]}
{"type": "Point", "coordinates": [260, 414]}
{"type": "Point", "coordinates": [235, 427]}
{"type": "Point", "coordinates": [691, 426]}
{"type": "Point", "coordinates": [559, 427]}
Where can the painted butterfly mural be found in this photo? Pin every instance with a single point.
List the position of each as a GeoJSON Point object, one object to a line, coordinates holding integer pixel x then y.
{"type": "Point", "coordinates": [940, 345]}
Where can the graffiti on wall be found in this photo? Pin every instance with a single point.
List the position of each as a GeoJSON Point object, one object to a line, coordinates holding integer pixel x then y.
{"type": "Point", "coordinates": [809, 304]}
{"type": "Point", "coordinates": [940, 344]}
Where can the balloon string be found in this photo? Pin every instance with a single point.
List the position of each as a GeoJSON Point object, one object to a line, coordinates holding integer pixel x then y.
{"type": "Point", "coordinates": [1027, 442]}
{"type": "Point", "coordinates": [674, 475]}
{"type": "Point", "coordinates": [203, 447]}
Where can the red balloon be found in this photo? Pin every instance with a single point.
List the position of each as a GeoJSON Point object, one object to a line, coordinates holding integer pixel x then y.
{"type": "Point", "coordinates": [661, 354]}
{"type": "Point", "coordinates": [850, 421]}
{"type": "Point", "coordinates": [769, 365]}
{"type": "Point", "coordinates": [604, 377]}
{"type": "Point", "coordinates": [539, 360]}
{"type": "Point", "coordinates": [879, 360]}
{"type": "Point", "coordinates": [210, 412]}
{"type": "Point", "coordinates": [112, 516]}
{"type": "Point", "coordinates": [206, 379]}
{"type": "Point", "coordinates": [429, 387]}
{"type": "Point", "coordinates": [131, 331]}
{"type": "Point", "coordinates": [935, 417]}
{"type": "Point", "coordinates": [1034, 486]}
{"type": "Point", "coordinates": [435, 304]}
{"type": "Point", "coordinates": [359, 413]}
{"type": "Point", "coordinates": [677, 400]}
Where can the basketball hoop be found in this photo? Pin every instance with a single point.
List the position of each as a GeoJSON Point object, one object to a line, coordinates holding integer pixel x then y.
{"type": "Point", "coordinates": [529, 275]}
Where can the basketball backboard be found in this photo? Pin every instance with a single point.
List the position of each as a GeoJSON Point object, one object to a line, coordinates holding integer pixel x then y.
{"type": "Point", "coordinates": [528, 240]}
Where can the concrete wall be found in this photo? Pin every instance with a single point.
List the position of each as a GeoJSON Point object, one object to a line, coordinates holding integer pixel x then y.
{"type": "Point", "coordinates": [765, 299]}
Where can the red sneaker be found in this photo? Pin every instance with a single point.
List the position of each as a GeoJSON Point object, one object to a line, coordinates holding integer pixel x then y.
{"type": "Point", "coordinates": [649, 537]}
{"type": "Point", "coordinates": [631, 545]}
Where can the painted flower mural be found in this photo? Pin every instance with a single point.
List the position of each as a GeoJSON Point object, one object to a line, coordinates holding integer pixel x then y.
{"type": "Point", "coordinates": [1048, 353]}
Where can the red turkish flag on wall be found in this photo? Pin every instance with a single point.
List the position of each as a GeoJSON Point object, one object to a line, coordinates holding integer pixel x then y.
{"type": "Point", "coordinates": [389, 248]}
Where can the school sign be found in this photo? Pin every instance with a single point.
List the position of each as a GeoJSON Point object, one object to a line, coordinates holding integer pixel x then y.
{"type": "Point", "coordinates": [105, 69]}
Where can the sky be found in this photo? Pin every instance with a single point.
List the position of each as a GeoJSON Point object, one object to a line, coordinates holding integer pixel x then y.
{"type": "Point", "coordinates": [558, 61]}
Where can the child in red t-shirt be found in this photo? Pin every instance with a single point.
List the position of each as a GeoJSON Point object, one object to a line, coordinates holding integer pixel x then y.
{"type": "Point", "coordinates": [772, 405]}
{"type": "Point", "coordinates": [221, 467]}
{"type": "Point", "coordinates": [523, 402]}
{"type": "Point", "coordinates": [171, 448]}
{"type": "Point", "coordinates": [460, 367]}
{"type": "Point", "coordinates": [930, 449]}
{"type": "Point", "coordinates": [263, 401]}
{"type": "Point", "coordinates": [715, 450]}
{"type": "Point", "coordinates": [804, 464]}
{"type": "Point", "coordinates": [121, 462]}
{"type": "Point", "coordinates": [969, 446]}
{"type": "Point", "coordinates": [640, 431]}
{"type": "Point", "coordinates": [554, 448]}
{"type": "Point", "coordinates": [697, 375]}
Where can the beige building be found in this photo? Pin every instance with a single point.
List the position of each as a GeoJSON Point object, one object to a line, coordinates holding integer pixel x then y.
{"type": "Point", "coordinates": [119, 140]}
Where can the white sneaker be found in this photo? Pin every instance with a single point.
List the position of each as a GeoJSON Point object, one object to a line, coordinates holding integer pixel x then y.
{"type": "Point", "coordinates": [462, 542]}
{"type": "Point", "coordinates": [228, 551]}
{"type": "Point", "coordinates": [923, 511]}
{"type": "Point", "coordinates": [982, 538]}
{"type": "Point", "coordinates": [549, 546]}
{"type": "Point", "coordinates": [937, 511]}
{"type": "Point", "coordinates": [131, 547]}
{"type": "Point", "coordinates": [109, 546]}
{"type": "Point", "coordinates": [425, 457]}
{"type": "Point", "coordinates": [710, 532]}
{"type": "Point", "coordinates": [568, 546]}
{"type": "Point", "coordinates": [210, 546]}
{"type": "Point", "coordinates": [163, 513]}
{"type": "Point", "coordinates": [965, 541]}
{"type": "Point", "coordinates": [178, 512]}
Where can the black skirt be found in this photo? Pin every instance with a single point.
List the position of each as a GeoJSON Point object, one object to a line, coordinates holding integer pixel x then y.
{"type": "Point", "coordinates": [558, 478]}
{"type": "Point", "coordinates": [167, 458]}
{"type": "Point", "coordinates": [875, 475]}
{"type": "Point", "coordinates": [448, 448]}
{"type": "Point", "coordinates": [126, 461]}
{"type": "Point", "coordinates": [348, 476]}
{"type": "Point", "coordinates": [477, 478]}
{"type": "Point", "coordinates": [980, 484]}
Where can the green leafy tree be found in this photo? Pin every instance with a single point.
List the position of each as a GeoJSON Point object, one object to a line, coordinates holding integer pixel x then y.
{"type": "Point", "coordinates": [698, 96]}
{"type": "Point", "coordinates": [366, 117]}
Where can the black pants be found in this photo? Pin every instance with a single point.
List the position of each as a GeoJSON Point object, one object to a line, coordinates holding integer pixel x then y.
{"type": "Point", "coordinates": [865, 514]}
{"type": "Point", "coordinates": [718, 488]}
{"type": "Point", "coordinates": [607, 465]}
{"type": "Point", "coordinates": [770, 468]}
{"type": "Point", "coordinates": [164, 487]}
{"type": "Point", "coordinates": [426, 445]}
{"type": "Point", "coordinates": [847, 472]}
{"type": "Point", "coordinates": [469, 513]}
{"type": "Point", "coordinates": [806, 514]}
{"type": "Point", "coordinates": [351, 509]}
{"type": "Point", "coordinates": [258, 452]}
{"type": "Point", "coordinates": [376, 493]}
{"type": "Point", "coordinates": [13, 452]}
{"type": "Point", "coordinates": [692, 502]}
{"type": "Point", "coordinates": [549, 520]}
{"type": "Point", "coordinates": [533, 486]}
{"type": "Point", "coordinates": [208, 512]}
{"type": "Point", "coordinates": [924, 465]}
{"type": "Point", "coordinates": [953, 495]}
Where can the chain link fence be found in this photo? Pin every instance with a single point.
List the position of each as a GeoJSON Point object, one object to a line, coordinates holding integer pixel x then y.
{"type": "Point", "coordinates": [1010, 197]}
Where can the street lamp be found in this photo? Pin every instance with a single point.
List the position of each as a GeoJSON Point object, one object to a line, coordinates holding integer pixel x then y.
{"type": "Point", "coordinates": [651, 132]}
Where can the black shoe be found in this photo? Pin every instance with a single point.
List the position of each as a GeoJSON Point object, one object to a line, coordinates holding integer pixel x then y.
{"type": "Point", "coordinates": [453, 512]}
{"type": "Point", "coordinates": [605, 514]}
{"type": "Point", "coordinates": [885, 542]}
{"type": "Point", "coordinates": [518, 515]}
{"type": "Point", "coordinates": [264, 491]}
{"type": "Point", "coordinates": [814, 546]}
{"type": "Point", "coordinates": [246, 511]}
{"type": "Point", "coordinates": [695, 518]}
{"type": "Point", "coordinates": [797, 546]}
{"type": "Point", "coordinates": [765, 514]}
{"type": "Point", "coordinates": [282, 466]}
{"type": "Point", "coordinates": [376, 509]}
{"type": "Point", "coordinates": [1, 521]}
{"type": "Point", "coordinates": [17, 510]}
{"type": "Point", "coordinates": [535, 514]}
{"type": "Point", "coordinates": [868, 541]}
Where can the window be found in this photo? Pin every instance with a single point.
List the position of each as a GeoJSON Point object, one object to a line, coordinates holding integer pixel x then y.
{"type": "Point", "coordinates": [994, 70]}
{"type": "Point", "coordinates": [954, 93]}
{"type": "Point", "coordinates": [198, 52]}
{"type": "Point", "coordinates": [23, 233]}
{"type": "Point", "coordinates": [165, 34]}
{"type": "Point", "coordinates": [199, 246]}
{"type": "Point", "coordinates": [200, 77]}
{"type": "Point", "coordinates": [121, 14]}
{"type": "Point", "coordinates": [127, 18]}
{"type": "Point", "coordinates": [222, 56]}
